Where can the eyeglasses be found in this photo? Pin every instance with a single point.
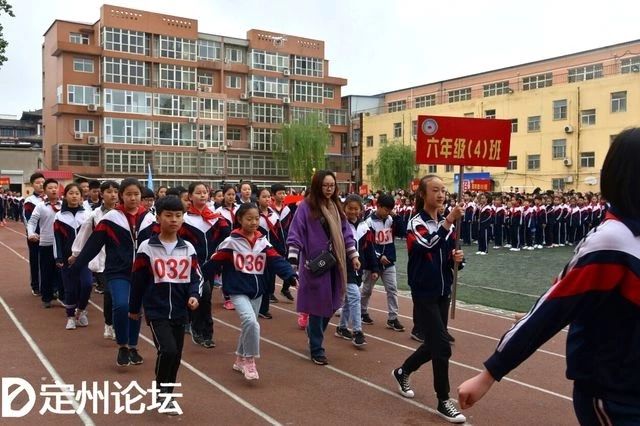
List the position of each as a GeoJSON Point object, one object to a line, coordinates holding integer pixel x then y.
{"type": "Point", "coordinates": [328, 186]}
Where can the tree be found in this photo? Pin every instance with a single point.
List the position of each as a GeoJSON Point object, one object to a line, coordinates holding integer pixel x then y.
{"type": "Point", "coordinates": [394, 166]}
{"type": "Point", "coordinates": [303, 145]}
{"type": "Point", "coordinates": [6, 8]}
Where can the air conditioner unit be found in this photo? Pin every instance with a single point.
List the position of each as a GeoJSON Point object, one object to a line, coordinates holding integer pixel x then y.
{"type": "Point", "coordinates": [229, 143]}
{"type": "Point", "coordinates": [202, 146]}
{"type": "Point", "coordinates": [355, 144]}
{"type": "Point", "coordinates": [286, 72]}
{"type": "Point", "coordinates": [92, 140]}
{"type": "Point", "coordinates": [192, 120]}
{"type": "Point", "coordinates": [567, 162]}
{"type": "Point", "coordinates": [209, 89]}
{"type": "Point", "coordinates": [635, 68]}
{"type": "Point", "coordinates": [568, 128]}
{"type": "Point", "coordinates": [244, 96]}
{"type": "Point", "coordinates": [77, 136]}
{"type": "Point", "coordinates": [92, 107]}
{"type": "Point", "coordinates": [286, 100]}
{"type": "Point", "coordinates": [568, 179]}
{"type": "Point", "coordinates": [223, 148]}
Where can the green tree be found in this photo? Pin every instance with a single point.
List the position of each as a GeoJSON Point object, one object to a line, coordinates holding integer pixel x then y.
{"type": "Point", "coordinates": [303, 145]}
{"type": "Point", "coordinates": [6, 8]}
{"type": "Point", "coordinates": [394, 166]}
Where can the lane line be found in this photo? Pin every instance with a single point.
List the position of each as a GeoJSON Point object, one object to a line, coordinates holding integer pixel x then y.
{"type": "Point", "coordinates": [45, 362]}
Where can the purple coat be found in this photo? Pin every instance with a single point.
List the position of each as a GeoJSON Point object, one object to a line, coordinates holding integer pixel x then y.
{"type": "Point", "coordinates": [316, 295]}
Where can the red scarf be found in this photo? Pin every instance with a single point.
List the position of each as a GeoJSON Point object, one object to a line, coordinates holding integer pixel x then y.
{"type": "Point", "coordinates": [206, 214]}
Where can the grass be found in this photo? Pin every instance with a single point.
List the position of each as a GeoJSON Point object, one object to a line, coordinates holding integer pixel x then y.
{"type": "Point", "coordinates": [503, 279]}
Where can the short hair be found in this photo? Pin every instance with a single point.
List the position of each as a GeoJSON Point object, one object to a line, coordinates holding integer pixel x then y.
{"type": "Point", "coordinates": [80, 180]}
{"type": "Point", "coordinates": [619, 176]}
{"type": "Point", "coordinates": [353, 198]}
{"type": "Point", "coordinates": [243, 209]}
{"type": "Point", "coordinates": [36, 175]}
{"type": "Point", "coordinates": [169, 203]}
{"type": "Point", "coordinates": [148, 193]}
{"type": "Point", "coordinates": [386, 200]}
{"type": "Point", "coordinates": [94, 184]}
{"type": "Point", "coordinates": [127, 182]}
{"type": "Point", "coordinates": [277, 187]}
{"type": "Point", "coordinates": [48, 181]}
{"type": "Point", "coordinates": [177, 191]}
{"type": "Point", "coordinates": [109, 184]}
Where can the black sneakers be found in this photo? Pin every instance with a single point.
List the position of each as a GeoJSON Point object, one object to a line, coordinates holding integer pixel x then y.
{"type": "Point", "coordinates": [208, 343]}
{"type": "Point", "coordinates": [404, 386]}
{"type": "Point", "coordinates": [287, 293]}
{"type": "Point", "coordinates": [366, 319]}
{"type": "Point", "coordinates": [134, 357]}
{"type": "Point", "coordinates": [395, 325]}
{"type": "Point", "coordinates": [320, 360]}
{"type": "Point", "coordinates": [266, 315]}
{"type": "Point", "coordinates": [196, 338]}
{"type": "Point", "coordinates": [449, 412]}
{"type": "Point", "coordinates": [344, 333]}
{"type": "Point", "coordinates": [417, 336]}
{"type": "Point", "coordinates": [358, 338]}
{"type": "Point", "coordinates": [123, 357]}
{"type": "Point", "coordinates": [450, 338]}
{"type": "Point", "coordinates": [273, 298]}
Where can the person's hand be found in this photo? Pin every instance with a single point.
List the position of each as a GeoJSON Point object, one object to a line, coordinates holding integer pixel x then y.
{"type": "Point", "coordinates": [456, 213]}
{"type": "Point", "coordinates": [458, 255]}
{"type": "Point", "coordinates": [472, 390]}
{"type": "Point", "coordinates": [374, 276]}
{"type": "Point", "coordinates": [384, 260]}
{"type": "Point", "coordinates": [71, 260]}
{"type": "Point", "coordinates": [193, 303]}
{"type": "Point", "coordinates": [134, 316]}
{"type": "Point", "coordinates": [34, 238]}
{"type": "Point", "coordinates": [356, 263]}
{"type": "Point", "coordinates": [59, 265]}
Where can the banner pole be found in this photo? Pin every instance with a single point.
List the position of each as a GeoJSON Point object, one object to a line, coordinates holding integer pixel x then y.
{"type": "Point", "coordinates": [457, 234]}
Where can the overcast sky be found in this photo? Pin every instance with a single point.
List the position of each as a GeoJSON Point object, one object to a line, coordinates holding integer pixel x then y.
{"type": "Point", "coordinates": [378, 45]}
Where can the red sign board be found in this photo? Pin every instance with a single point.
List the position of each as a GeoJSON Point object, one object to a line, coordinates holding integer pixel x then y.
{"type": "Point", "coordinates": [481, 185]}
{"type": "Point", "coordinates": [5, 180]}
{"type": "Point", "coordinates": [463, 141]}
{"type": "Point", "coordinates": [364, 189]}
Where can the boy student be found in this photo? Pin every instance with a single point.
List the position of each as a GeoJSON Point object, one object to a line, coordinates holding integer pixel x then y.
{"type": "Point", "coordinates": [40, 230]}
{"type": "Point", "coordinates": [382, 264]}
{"type": "Point", "coordinates": [498, 222]}
{"type": "Point", "coordinates": [37, 182]}
{"type": "Point", "coordinates": [93, 201]}
{"type": "Point", "coordinates": [285, 214]}
{"type": "Point", "coordinates": [515, 223]}
{"type": "Point", "coordinates": [166, 281]}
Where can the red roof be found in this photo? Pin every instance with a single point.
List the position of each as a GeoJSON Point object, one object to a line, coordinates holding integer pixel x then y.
{"type": "Point", "coordinates": [57, 174]}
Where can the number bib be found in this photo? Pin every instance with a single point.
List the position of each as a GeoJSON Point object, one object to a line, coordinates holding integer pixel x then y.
{"type": "Point", "coordinates": [249, 263]}
{"type": "Point", "coordinates": [384, 236]}
{"type": "Point", "coordinates": [171, 269]}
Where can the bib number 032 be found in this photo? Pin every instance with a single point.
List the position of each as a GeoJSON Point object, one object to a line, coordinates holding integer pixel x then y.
{"type": "Point", "coordinates": [172, 269]}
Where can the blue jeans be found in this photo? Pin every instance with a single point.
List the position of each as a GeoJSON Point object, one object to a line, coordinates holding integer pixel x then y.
{"type": "Point", "coordinates": [249, 340]}
{"type": "Point", "coordinates": [77, 289]}
{"type": "Point", "coordinates": [315, 330]}
{"type": "Point", "coordinates": [127, 330]}
{"type": "Point", "coordinates": [351, 308]}
{"type": "Point", "coordinates": [589, 410]}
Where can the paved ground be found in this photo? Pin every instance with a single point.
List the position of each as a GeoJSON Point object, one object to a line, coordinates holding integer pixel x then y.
{"type": "Point", "coordinates": [356, 388]}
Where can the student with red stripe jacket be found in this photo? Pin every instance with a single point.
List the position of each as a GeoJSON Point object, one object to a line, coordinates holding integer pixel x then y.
{"type": "Point", "coordinates": [30, 203]}
{"type": "Point", "coordinates": [121, 231]}
{"type": "Point", "coordinates": [598, 296]}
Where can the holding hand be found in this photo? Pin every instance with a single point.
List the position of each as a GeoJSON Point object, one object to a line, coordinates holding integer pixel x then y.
{"type": "Point", "coordinates": [458, 255]}
{"type": "Point", "coordinates": [472, 390]}
{"type": "Point", "coordinates": [34, 238]}
{"type": "Point", "coordinates": [456, 213]}
{"type": "Point", "coordinates": [71, 260]}
{"type": "Point", "coordinates": [193, 303]}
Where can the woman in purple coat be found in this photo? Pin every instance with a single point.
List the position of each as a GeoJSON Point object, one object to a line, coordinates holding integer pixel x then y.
{"type": "Point", "coordinates": [320, 224]}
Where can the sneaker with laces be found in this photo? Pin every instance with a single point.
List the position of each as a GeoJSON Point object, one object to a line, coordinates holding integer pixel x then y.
{"type": "Point", "coordinates": [404, 385]}
{"type": "Point", "coordinates": [228, 305]}
{"type": "Point", "coordinates": [134, 357]}
{"type": "Point", "coordinates": [366, 319]}
{"type": "Point", "coordinates": [108, 332]}
{"type": "Point", "coordinates": [287, 293]}
{"type": "Point", "coordinates": [238, 365]}
{"type": "Point", "coordinates": [358, 339]}
{"type": "Point", "coordinates": [250, 371]}
{"type": "Point", "coordinates": [344, 333]}
{"type": "Point", "coordinates": [208, 343]}
{"type": "Point", "coordinates": [71, 323]}
{"type": "Point", "coordinates": [320, 360]}
{"type": "Point", "coordinates": [123, 357]}
{"type": "Point", "coordinates": [395, 325]}
{"type": "Point", "coordinates": [448, 411]}
{"type": "Point", "coordinates": [83, 320]}
{"type": "Point", "coordinates": [196, 338]}
{"type": "Point", "coordinates": [417, 336]}
{"type": "Point", "coordinates": [35, 293]}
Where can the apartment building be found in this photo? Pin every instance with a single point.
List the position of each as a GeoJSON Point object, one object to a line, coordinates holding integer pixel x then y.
{"type": "Point", "coordinates": [564, 113]}
{"type": "Point", "coordinates": [139, 88]}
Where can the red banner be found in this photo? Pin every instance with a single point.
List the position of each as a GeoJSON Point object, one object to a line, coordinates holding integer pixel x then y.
{"type": "Point", "coordinates": [293, 199]}
{"type": "Point", "coordinates": [463, 141]}
{"type": "Point", "coordinates": [364, 190]}
{"type": "Point", "coordinates": [481, 185]}
{"type": "Point", "coordinates": [5, 180]}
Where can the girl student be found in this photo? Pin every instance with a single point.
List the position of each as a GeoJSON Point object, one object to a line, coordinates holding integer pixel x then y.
{"type": "Point", "coordinates": [205, 230]}
{"type": "Point", "coordinates": [246, 191]}
{"type": "Point", "coordinates": [77, 287]}
{"type": "Point", "coordinates": [243, 258]}
{"type": "Point", "coordinates": [120, 232]}
{"type": "Point", "coordinates": [228, 211]}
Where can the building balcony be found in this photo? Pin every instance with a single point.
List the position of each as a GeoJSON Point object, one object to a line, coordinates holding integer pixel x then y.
{"type": "Point", "coordinates": [60, 109]}
{"type": "Point", "coordinates": [80, 49]}
{"type": "Point", "coordinates": [79, 159]}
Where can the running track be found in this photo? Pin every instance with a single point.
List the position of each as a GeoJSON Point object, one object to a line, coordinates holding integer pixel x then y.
{"type": "Point", "coordinates": [356, 388]}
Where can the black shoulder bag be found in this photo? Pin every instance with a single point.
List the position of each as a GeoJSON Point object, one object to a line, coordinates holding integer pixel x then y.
{"type": "Point", "coordinates": [323, 262]}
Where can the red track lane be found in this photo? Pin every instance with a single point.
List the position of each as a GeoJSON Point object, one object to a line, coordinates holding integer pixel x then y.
{"type": "Point", "coordinates": [357, 387]}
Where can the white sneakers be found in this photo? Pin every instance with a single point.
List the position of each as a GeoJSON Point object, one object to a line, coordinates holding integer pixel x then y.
{"type": "Point", "coordinates": [109, 332]}
{"type": "Point", "coordinates": [71, 323]}
{"type": "Point", "coordinates": [82, 319]}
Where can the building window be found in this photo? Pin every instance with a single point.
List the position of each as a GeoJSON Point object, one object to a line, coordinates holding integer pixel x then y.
{"type": "Point", "coordinates": [537, 81]}
{"type": "Point", "coordinates": [307, 91]}
{"type": "Point", "coordinates": [177, 77]}
{"type": "Point", "coordinates": [397, 130]}
{"type": "Point", "coordinates": [448, 168]}
{"type": "Point", "coordinates": [513, 163]}
{"type": "Point", "coordinates": [178, 48]}
{"type": "Point", "coordinates": [234, 82]}
{"type": "Point", "coordinates": [176, 163]}
{"type": "Point", "coordinates": [414, 129]}
{"type": "Point", "coordinates": [82, 65]}
{"type": "Point", "coordinates": [277, 88]}
{"type": "Point", "coordinates": [560, 109]}
{"type": "Point", "coordinates": [425, 101]}
{"type": "Point", "coordinates": [514, 125]}
{"type": "Point", "coordinates": [557, 184]}
{"type": "Point", "coordinates": [174, 134]}
{"type": "Point", "coordinates": [209, 50]}
{"type": "Point", "coordinates": [233, 54]}
{"type": "Point", "coordinates": [82, 95]}
{"type": "Point", "coordinates": [588, 117]}
{"type": "Point", "coordinates": [311, 67]}
{"type": "Point", "coordinates": [369, 141]}
{"type": "Point", "coordinates": [533, 162]}
{"type": "Point", "coordinates": [237, 109]}
{"type": "Point", "coordinates": [619, 101]}
{"type": "Point", "coordinates": [126, 161]}
{"type": "Point", "coordinates": [533, 124]}
{"type": "Point", "coordinates": [267, 113]}
{"type": "Point", "coordinates": [587, 159]}
{"type": "Point", "coordinates": [127, 101]}
{"type": "Point", "coordinates": [496, 88]}
{"type": "Point", "coordinates": [558, 149]}
{"type": "Point", "coordinates": [300, 114]}
{"type": "Point", "coordinates": [120, 130]}
{"type": "Point", "coordinates": [211, 109]}
{"type": "Point", "coordinates": [205, 78]}
{"type": "Point", "coordinates": [588, 72]}
{"type": "Point", "coordinates": [78, 38]}
{"type": "Point", "coordinates": [175, 105]}
{"type": "Point", "coordinates": [630, 65]}
{"type": "Point", "coordinates": [83, 156]}
{"type": "Point", "coordinates": [269, 61]}
{"type": "Point", "coordinates": [432, 168]}
{"type": "Point", "coordinates": [127, 41]}
{"type": "Point", "coordinates": [335, 117]}
{"type": "Point", "coordinates": [490, 113]}
{"type": "Point", "coordinates": [459, 95]}
{"type": "Point", "coordinates": [370, 169]}
{"type": "Point", "coordinates": [211, 134]}
{"type": "Point", "coordinates": [329, 91]}
{"type": "Point", "coordinates": [234, 133]}
{"type": "Point", "coordinates": [383, 139]}
{"type": "Point", "coordinates": [83, 126]}
{"type": "Point", "coordinates": [125, 71]}
{"type": "Point", "coordinates": [397, 106]}
{"type": "Point", "coordinates": [264, 139]}
{"type": "Point", "coordinates": [7, 132]}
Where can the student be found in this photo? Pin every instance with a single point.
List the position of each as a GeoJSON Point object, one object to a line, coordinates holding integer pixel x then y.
{"type": "Point", "coordinates": [351, 311]}
{"type": "Point", "coordinates": [166, 281]}
{"type": "Point", "coordinates": [161, 192]}
{"type": "Point", "coordinates": [432, 254]}
{"type": "Point", "coordinates": [485, 216]}
{"type": "Point", "coordinates": [515, 224]}
{"type": "Point", "coordinates": [182, 193]}
{"type": "Point", "coordinates": [228, 211]}
{"type": "Point", "coordinates": [285, 214]}
{"type": "Point", "coordinates": [242, 258]}
{"type": "Point", "coordinates": [540, 217]}
{"type": "Point", "coordinates": [30, 203]}
{"type": "Point", "coordinates": [84, 187]}
{"type": "Point", "coordinates": [246, 193]}
{"type": "Point", "coordinates": [205, 230]}
{"type": "Point", "coordinates": [382, 264]}
{"type": "Point", "coordinates": [93, 200]}
{"type": "Point", "coordinates": [40, 230]}
{"type": "Point", "coordinates": [596, 294]}
{"type": "Point", "coordinates": [109, 194]}
{"type": "Point", "coordinates": [148, 199]}
{"type": "Point", "coordinates": [469, 210]}
{"type": "Point", "coordinates": [498, 222]}
{"type": "Point", "coordinates": [216, 200]}
{"type": "Point", "coordinates": [120, 232]}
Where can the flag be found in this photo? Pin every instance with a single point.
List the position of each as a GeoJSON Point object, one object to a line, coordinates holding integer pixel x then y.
{"type": "Point", "coordinates": [149, 177]}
